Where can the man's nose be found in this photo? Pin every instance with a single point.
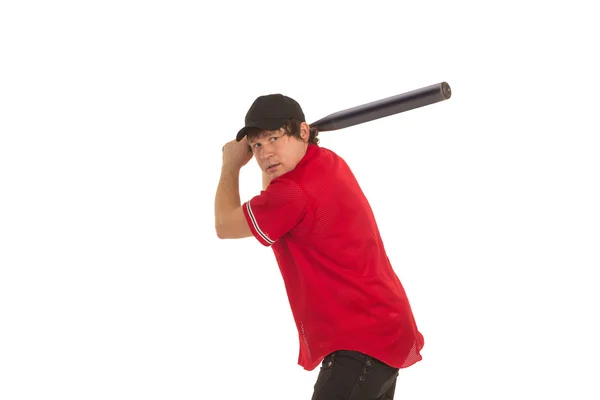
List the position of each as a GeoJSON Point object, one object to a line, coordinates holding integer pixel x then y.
{"type": "Point", "coordinates": [265, 152]}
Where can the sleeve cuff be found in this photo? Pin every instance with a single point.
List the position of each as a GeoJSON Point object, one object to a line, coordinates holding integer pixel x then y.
{"type": "Point", "coordinates": [253, 224]}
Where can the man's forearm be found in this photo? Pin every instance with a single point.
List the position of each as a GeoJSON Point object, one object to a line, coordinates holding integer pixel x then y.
{"type": "Point", "coordinates": [227, 197]}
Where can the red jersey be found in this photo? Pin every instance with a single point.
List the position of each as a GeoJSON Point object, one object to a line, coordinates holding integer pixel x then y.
{"type": "Point", "coordinates": [342, 290]}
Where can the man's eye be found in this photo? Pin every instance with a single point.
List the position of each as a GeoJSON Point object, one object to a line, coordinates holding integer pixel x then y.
{"type": "Point", "coordinates": [273, 138]}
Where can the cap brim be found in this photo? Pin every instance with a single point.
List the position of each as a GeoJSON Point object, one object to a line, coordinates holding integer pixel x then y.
{"type": "Point", "coordinates": [267, 125]}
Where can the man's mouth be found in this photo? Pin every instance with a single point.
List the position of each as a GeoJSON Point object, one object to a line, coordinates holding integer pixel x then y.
{"type": "Point", "coordinates": [271, 167]}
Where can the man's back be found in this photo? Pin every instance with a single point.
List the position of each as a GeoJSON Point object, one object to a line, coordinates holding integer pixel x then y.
{"type": "Point", "coordinates": [342, 289]}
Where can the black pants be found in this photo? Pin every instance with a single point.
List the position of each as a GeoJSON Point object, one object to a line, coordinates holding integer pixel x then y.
{"type": "Point", "coordinates": [350, 375]}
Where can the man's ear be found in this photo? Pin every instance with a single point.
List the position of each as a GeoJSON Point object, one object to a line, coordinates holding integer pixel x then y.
{"type": "Point", "coordinates": [304, 131]}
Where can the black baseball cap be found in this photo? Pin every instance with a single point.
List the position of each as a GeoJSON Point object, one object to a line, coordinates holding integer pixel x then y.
{"type": "Point", "coordinates": [271, 112]}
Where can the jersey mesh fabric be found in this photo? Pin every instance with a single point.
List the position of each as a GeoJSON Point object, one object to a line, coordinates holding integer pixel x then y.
{"type": "Point", "coordinates": [342, 290]}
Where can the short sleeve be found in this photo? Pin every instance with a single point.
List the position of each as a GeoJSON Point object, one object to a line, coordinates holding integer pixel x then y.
{"type": "Point", "coordinates": [275, 211]}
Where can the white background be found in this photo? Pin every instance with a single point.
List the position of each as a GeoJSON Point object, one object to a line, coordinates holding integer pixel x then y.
{"type": "Point", "coordinates": [113, 284]}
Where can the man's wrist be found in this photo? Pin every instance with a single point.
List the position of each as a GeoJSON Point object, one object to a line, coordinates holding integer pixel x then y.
{"type": "Point", "coordinates": [230, 168]}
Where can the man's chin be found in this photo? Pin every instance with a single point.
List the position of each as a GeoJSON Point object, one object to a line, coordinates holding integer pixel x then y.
{"type": "Point", "coordinates": [275, 174]}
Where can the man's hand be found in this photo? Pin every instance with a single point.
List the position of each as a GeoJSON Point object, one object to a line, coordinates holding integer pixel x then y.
{"type": "Point", "coordinates": [236, 154]}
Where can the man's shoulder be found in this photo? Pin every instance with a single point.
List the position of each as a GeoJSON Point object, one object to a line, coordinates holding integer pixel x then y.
{"type": "Point", "coordinates": [328, 152]}
{"type": "Point", "coordinates": [321, 155]}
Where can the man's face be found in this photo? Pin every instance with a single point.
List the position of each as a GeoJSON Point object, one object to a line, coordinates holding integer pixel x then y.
{"type": "Point", "coordinates": [277, 153]}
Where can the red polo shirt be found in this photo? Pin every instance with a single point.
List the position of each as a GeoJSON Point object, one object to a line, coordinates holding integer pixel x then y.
{"type": "Point", "coordinates": [342, 290]}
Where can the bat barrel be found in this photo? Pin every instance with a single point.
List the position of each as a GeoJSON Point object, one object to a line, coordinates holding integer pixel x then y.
{"type": "Point", "coordinates": [384, 107]}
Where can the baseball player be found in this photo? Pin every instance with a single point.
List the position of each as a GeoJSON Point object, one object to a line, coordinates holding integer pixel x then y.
{"type": "Point", "coordinates": [353, 317]}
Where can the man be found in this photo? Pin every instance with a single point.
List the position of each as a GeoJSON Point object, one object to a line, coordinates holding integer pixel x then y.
{"type": "Point", "coordinates": [352, 314]}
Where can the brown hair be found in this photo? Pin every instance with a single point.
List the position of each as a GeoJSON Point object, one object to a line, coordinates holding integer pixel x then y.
{"type": "Point", "coordinates": [291, 128]}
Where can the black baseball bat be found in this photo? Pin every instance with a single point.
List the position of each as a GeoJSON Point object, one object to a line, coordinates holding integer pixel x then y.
{"type": "Point", "coordinates": [384, 107]}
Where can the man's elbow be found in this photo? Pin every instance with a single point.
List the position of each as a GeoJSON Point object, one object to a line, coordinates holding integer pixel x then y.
{"type": "Point", "coordinates": [227, 232]}
{"type": "Point", "coordinates": [233, 226]}
{"type": "Point", "coordinates": [221, 234]}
